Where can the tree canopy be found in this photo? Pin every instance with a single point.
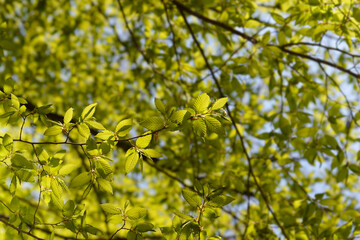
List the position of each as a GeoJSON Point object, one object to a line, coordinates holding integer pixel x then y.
{"type": "Point", "coordinates": [212, 119]}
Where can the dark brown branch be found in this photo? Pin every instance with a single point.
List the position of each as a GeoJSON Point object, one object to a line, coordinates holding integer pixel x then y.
{"type": "Point", "coordinates": [20, 230]}
{"type": "Point", "coordinates": [234, 124]}
{"type": "Point", "coordinates": [213, 22]}
{"type": "Point", "coordinates": [254, 40]}
{"type": "Point", "coordinates": [322, 46]}
{"type": "Point", "coordinates": [318, 60]}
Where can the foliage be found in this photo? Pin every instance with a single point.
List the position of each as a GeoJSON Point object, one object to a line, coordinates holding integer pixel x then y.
{"type": "Point", "coordinates": [179, 119]}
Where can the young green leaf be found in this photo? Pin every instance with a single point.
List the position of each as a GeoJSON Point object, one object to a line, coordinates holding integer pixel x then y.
{"type": "Point", "coordinates": [105, 135]}
{"type": "Point", "coordinates": [151, 153]}
{"type": "Point", "coordinates": [84, 130]}
{"type": "Point", "coordinates": [104, 185]}
{"type": "Point", "coordinates": [213, 125]}
{"type": "Point", "coordinates": [21, 162]}
{"type": "Point", "coordinates": [219, 201]}
{"type": "Point", "coordinates": [88, 112]}
{"type": "Point", "coordinates": [136, 213]}
{"type": "Point", "coordinates": [8, 142]}
{"type": "Point", "coordinates": [210, 213]}
{"type": "Point", "coordinates": [68, 209]}
{"type": "Point", "coordinates": [8, 85]}
{"type": "Point", "coordinates": [153, 123]}
{"type": "Point", "coordinates": [103, 167]}
{"type": "Point", "coordinates": [110, 208]}
{"type": "Point", "coordinates": [183, 216]}
{"type": "Point", "coordinates": [191, 197]}
{"type": "Point", "coordinates": [143, 142]}
{"type": "Point", "coordinates": [179, 116]}
{"type": "Point", "coordinates": [67, 169]}
{"type": "Point", "coordinates": [199, 127]}
{"type": "Point", "coordinates": [219, 103]}
{"type": "Point", "coordinates": [160, 106]}
{"type": "Point", "coordinates": [53, 130]}
{"type": "Point", "coordinates": [81, 180]}
{"type": "Point", "coordinates": [131, 162]}
{"type": "Point", "coordinates": [15, 101]}
{"type": "Point", "coordinates": [68, 115]}
{"type": "Point", "coordinates": [94, 124]}
{"type": "Point", "coordinates": [144, 227]}
{"type": "Point", "coordinates": [123, 127]}
{"type": "Point", "coordinates": [201, 103]}
{"type": "Point", "coordinates": [132, 236]}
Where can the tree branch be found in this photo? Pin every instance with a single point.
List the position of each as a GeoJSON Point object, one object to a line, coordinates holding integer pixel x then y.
{"type": "Point", "coordinates": [20, 230]}
{"type": "Point", "coordinates": [234, 124]}
{"type": "Point", "coordinates": [254, 40]}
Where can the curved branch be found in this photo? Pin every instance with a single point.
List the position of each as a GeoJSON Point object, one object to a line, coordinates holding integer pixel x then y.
{"type": "Point", "coordinates": [322, 46]}
{"type": "Point", "coordinates": [254, 40]}
{"type": "Point", "coordinates": [20, 230]}
{"type": "Point", "coordinates": [242, 140]}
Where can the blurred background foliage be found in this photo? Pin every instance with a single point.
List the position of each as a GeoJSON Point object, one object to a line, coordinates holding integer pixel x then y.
{"type": "Point", "coordinates": [290, 149]}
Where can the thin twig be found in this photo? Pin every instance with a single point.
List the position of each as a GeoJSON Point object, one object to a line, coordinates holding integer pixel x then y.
{"type": "Point", "coordinates": [234, 124]}
{"type": "Point", "coordinates": [254, 40]}
{"type": "Point", "coordinates": [20, 230]}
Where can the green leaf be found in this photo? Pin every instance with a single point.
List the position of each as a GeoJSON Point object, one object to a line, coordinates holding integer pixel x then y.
{"type": "Point", "coordinates": [131, 162]}
{"type": "Point", "coordinates": [56, 188]}
{"type": "Point", "coordinates": [92, 230]}
{"type": "Point", "coordinates": [68, 115]}
{"type": "Point", "coordinates": [88, 112]}
{"type": "Point", "coordinates": [68, 209]}
{"type": "Point", "coordinates": [144, 227]}
{"type": "Point", "coordinates": [67, 169]}
{"type": "Point", "coordinates": [219, 103]}
{"type": "Point", "coordinates": [219, 201]}
{"type": "Point", "coordinates": [8, 142]}
{"type": "Point", "coordinates": [25, 175]}
{"type": "Point", "coordinates": [110, 208]}
{"type": "Point", "coordinates": [53, 130]}
{"type": "Point", "coordinates": [201, 103]}
{"type": "Point", "coordinates": [104, 185]}
{"type": "Point", "coordinates": [136, 213]}
{"type": "Point", "coordinates": [56, 201]}
{"type": "Point", "coordinates": [184, 216]}
{"type": "Point", "coordinates": [123, 127]}
{"type": "Point", "coordinates": [160, 106]}
{"type": "Point", "coordinates": [21, 162]}
{"type": "Point", "coordinates": [8, 85]}
{"type": "Point", "coordinates": [213, 125]}
{"type": "Point", "coordinates": [84, 130]}
{"type": "Point", "coordinates": [94, 124]}
{"type": "Point", "coordinates": [143, 142]}
{"type": "Point", "coordinates": [105, 135]}
{"type": "Point", "coordinates": [151, 153]}
{"type": "Point", "coordinates": [103, 167]}
{"type": "Point", "coordinates": [15, 101]}
{"type": "Point", "coordinates": [192, 198]}
{"type": "Point", "coordinates": [199, 127]}
{"type": "Point", "coordinates": [179, 116]}
{"type": "Point", "coordinates": [153, 123]}
{"type": "Point", "coordinates": [306, 132]}
{"type": "Point", "coordinates": [81, 180]}
{"type": "Point", "coordinates": [131, 236]}
{"type": "Point", "coordinates": [210, 213]}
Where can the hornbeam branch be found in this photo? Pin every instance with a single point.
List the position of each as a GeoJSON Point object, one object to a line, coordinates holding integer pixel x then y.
{"type": "Point", "coordinates": [242, 140]}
